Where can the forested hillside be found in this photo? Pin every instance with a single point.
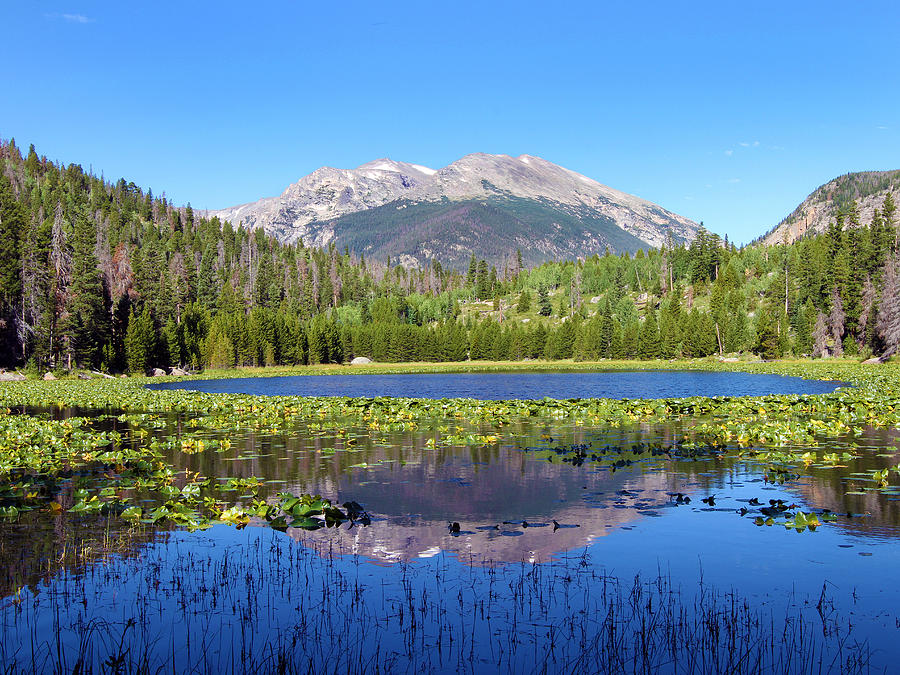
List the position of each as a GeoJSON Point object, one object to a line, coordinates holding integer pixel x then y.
{"type": "Point", "coordinates": [108, 276]}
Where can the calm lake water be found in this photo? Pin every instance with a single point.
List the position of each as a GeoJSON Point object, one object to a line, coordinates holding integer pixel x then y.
{"type": "Point", "coordinates": [512, 591]}
{"type": "Point", "coordinates": [517, 385]}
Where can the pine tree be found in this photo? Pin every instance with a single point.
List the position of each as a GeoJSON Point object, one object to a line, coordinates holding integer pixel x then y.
{"type": "Point", "coordinates": [482, 284]}
{"type": "Point", "coordinates": [803, 328]}
{"type": "Point", "coordinates": [85, 326]}
{"type": "Point", "coordinates": [544, 306]}
{"type": "Point", "coordinates": [172, 341]}
{"type": "Point", "coordinates": [767, 344]}
{"type": "Point", "coordinates": [12, 224]}
{"type": "Point", "coordinates": [140, 341]}
{"type": "Point", "coordinates": [648, 342]}
{"type": "Point", "coordinates": [473, 269]}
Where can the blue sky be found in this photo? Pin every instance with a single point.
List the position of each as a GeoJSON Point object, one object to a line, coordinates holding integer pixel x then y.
{"type": "Point", "coordinates": [729, 113]}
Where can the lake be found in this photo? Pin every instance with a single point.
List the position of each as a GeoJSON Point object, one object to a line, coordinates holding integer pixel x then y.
{"type": "Point", "coordinates": [496, 386]}
{"type": "Point", "coordinates": [567, 546]}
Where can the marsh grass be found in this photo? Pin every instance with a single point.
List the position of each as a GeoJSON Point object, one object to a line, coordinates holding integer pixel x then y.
{"type": "Point", "coordinates": [258, 602]}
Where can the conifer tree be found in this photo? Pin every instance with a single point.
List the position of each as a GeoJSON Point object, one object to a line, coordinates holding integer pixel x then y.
{"type": "Point", "coordinates": [544, 306]}
{"type": "Point", "coordinates": [767, 344]}
{"type": "Point", "coordinates": [648, 346]}
{"type": "Point", "coordinates": [803, 328]}
{"type": "Point", "coordinates": [172, 341]}
{"type": "Point", "coordinates": [85, 326]}
{"type": "Point", "coordinates": [140, 341]}
{"type": "Point", "coordinates": [12, 222]}
{"type": "Point", "coordinates": [482, 285]}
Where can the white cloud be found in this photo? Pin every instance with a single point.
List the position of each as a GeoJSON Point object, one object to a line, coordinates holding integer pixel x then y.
{"type": "Point", "coordinates": [70, 18]}
{"type": "Point", "coordinates": [882, 127]}
{"type": "Point", "coordinates": [742, 144]}
{"type": "Point", "coordinates": [734, 180]}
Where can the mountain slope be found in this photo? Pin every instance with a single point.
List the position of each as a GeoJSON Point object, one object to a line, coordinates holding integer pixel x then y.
{"type": "Point", "coordinates": [867, 188]}
{"type": "Point", "coordinates": [491, 205]}
{"type": "Point", "coordinates": [495, 228]}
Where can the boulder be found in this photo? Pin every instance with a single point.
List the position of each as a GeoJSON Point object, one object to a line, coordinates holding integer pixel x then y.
{"type": "Point", "coordinates": [157, 372]}
{"type": "Point", "coordinates": [49, 376]}
{"type": "Point", "coordinates": [875, 360]}
{"type": "Point", "coordinates": [85, 376]}
{"type": "Point", "coordinates": [11, 377]}
{"type": "Point", "coordinates": [360, 361]}
{"type": "Point", "coordinates": [178, 372]}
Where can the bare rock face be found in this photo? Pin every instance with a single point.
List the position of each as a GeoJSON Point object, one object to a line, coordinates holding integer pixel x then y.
{"type": "Point", "coordinates": [325, 194]}
{"type": "Point", "coordinates": [157, 372]}
{"type": "Point", "coordinates": [49, 376]}
{"type": "Point", "coordinates": [519, 194]}
{"type": "Point", "coordinates": [867, 189]}
{"type": "Point", "coordinates": [360, 361]}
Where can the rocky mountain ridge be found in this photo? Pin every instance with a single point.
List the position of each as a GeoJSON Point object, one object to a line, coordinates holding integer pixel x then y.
{"type": "Point", "coordinates": [867, 189]}
{"type": "Point", "coordinates": [499, 194]}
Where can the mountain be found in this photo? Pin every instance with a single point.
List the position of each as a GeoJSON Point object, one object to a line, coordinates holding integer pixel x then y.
{"type": "Point", "coordinates": [867, 188]}
{"type": "Point", "coordinates": [491, 205]}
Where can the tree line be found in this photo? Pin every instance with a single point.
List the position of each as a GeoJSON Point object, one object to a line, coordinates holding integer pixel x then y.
{"type": "Point", "coordinates": [104, 275]}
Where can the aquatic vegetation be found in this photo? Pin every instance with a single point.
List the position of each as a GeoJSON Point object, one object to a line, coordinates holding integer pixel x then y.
{"type": "Point", "coordinates": [109, 467]}
{"type": "Point", "coordinates": [108, 472]}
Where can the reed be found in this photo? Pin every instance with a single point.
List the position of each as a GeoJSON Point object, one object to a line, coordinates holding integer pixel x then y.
{"type": "Point", "coordinates": [258, 602]}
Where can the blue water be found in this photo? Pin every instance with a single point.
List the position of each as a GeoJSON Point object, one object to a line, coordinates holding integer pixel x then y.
{"type": "Point", "coordinates": [517, 385]}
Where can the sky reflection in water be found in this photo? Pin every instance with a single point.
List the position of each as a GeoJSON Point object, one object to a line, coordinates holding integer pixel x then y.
{"type": "Point", "coordinates": [517, 385]}
{"type": "Point", "coordinates": [625, 522]}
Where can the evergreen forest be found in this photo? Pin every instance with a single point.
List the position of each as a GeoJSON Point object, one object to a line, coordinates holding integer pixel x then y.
{"type": "Point", "coordinates": [107, 276]}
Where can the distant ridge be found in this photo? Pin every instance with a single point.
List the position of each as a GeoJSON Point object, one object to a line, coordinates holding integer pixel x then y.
{"type": "Point", "coordinates": [867, 188]}
{"type": "Point", "coordinates": [490, 205]}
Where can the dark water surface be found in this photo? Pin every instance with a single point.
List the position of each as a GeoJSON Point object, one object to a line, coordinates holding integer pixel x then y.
{"type": "Point", "coordinates": [517, 385]}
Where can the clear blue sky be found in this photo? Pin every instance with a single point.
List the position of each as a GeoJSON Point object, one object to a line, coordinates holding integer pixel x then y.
{"type": "Point", "coordinates": [729, 113]}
